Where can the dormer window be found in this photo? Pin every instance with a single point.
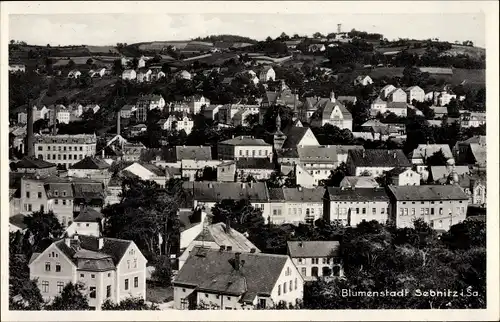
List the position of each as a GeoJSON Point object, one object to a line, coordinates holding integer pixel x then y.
{"type": "Point", "coordinates": [64, 193]}
{"type": "Point", "coordinates": [56, 193]}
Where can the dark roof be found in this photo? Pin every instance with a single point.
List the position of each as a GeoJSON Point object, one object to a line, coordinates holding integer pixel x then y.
{"type": "Point", "coordinates": [427, 192]}
{"type": "Point", "coordinates": [114, 247]}
{"type": "Point", "coordinates": [89, 214]}
{"type": "Point", "coordinates": [293, 136]}
{"type": "Point", "coordinates": [244, 140]}
{"type": "Point", "coordinates": [218, 233]}
{"type": "Point", "coordinates": [312, 248]}
{"type": "Point", "coordinates": [34, 163]}
{"type": "Point", "coordinates": [356, 194]}
{"type": "Point", "coordinates": [304, 194]}
{"type": "Point", "coordinates": [276, 194]}
{"type": "Point", "coordinates": [216, 191]}
{"type": "Point", "coordinates": [89, 190]}
{"type": "Point", "coordinates": [90, 163]}
{"type": "Point", "coordinates": [180, 153]}
{"type": "Point", "coordinates": [397, 171]}
{"type": "Point", "coordinates": [153, 169]}
{"type": "Point", "coordinates": [254, 163]}
{"type": "Point", "coordinates": [189, 218]}
{"type": "Point", "coordinates": [18, 220]}
{"type": "Point", "coordinates": [213, 270]}
{"type": "Point", "coordinates": [379, 158]}
{"type": "Point", "coordinates": [289, 153]}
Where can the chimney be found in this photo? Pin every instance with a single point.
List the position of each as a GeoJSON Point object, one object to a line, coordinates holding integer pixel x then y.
{"type": "Point", "coordinates": [101, 242]}
{"type": "Point", "coordinates": [229, 248]}
{"type": "Point", "coordinates": [228, 226]}
{"type": "Point", "coordinates": [118, 123]}
{"type": "Point", "coordinates": [332, 97]}
{"type": "Point", "coordinates": [222, 248]}
{"type": "Point", "coordinates": [29, 133]}
{"type": "Point", "coordinates": [237, 261]}
{"type": "Point", "coordinates": [102, 153]}
{"type": "Point", "coordinates": [252, 250]}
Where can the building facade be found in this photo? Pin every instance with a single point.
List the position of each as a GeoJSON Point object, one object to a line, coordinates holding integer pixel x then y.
{"type": "Point", "coordinates": [65, 150]}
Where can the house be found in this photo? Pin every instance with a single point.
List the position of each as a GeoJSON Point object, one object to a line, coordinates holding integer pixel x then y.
{"type": "Point", "coordinates": [147, 103]}
{"type": "Point", "coordinates": [132, 151]}
{"type": "Point", "coordinates": [157, 73]}
{"type": "Point", "coordinates": [358, 182]}
{"type": "Point", "coordinates": [64, 149]}
{"type": "Point", "coordinates": [211, 112]}
{"type": "Point", "coordinates": [315, 258]}
{"type": "Point", "coordinates": [36, 166]}
{"type": "Point", "coordinates": [38, 113]}
{"type": "Point", "coordinates": [256, 168]}
{"type": "Point", "coordinates": [16, 223]}
{"type": "Point", "coordinates": [439, 111]}
{"type": "Point", "coordinates": [386, 90]}
{"type": "Point", "coordinates": [363, 80]}
{"type": "Point", "coordinates": [91, 168]}
{"type": "Point", "coordinates": [207, 193]}
{"type": "Point", "coordinates": [267, 74]}
{"type": "Point", "coordinates": [440, 174]}
{"type": "Point", "coordinates": [331, 111]}
{"type": "Point", "coordinates": [296, 205]}
{"type": "Point", "coordinates": [148, 172]}
{"type": "Point", "coordinates": [92, 107]}
{"type": "Point", "coordinates": [141, 63]}
{"type": "Point", "coordinates": [347, 99]}
{"type": "Point", "coordinates": [138, 129]}
{"type": "Point", "coordinates": [420, 155]}
{"type": "Point", "coordinates": [227, 280]}
{"type": "Point", "coordinates": [127, 110]}
{"type": "Point", "coordinates": [374, 162]}
{"type": "Point", "coordinates": [100, 72]}
{"type": "Point", "coordinates": [58, 112]}
{"type": "Point", "coordinates": [243, 147]}
{"type": "Point", "coordinates": [294, 137]}
{"type": "Point", "coordinates": [74, 74]}
{"type": "Point", "coordinates": [226, 171]}
{"type": "Point", "coordinates": [415, 93]}
{"type": "Point", "coordinates": [108, 268]}
{"type": "Point", "coordinates": [319, 161]}
{"type": "Point", "coordinates": [471, 151]}
{"type": "Point", "coordinates": [184, 74]}
{"type": "Point", "coordinates": [316, 47]}
{"type": "Point", "coordinates": [219, 236]}
{"type": "Point", "coordinates": [441, 206]}
{"type": "Point", "coordinates": [350, 206]}
{"type": "Point", "coordinates": [88, 222]}
{"type": "Point", "coordinates": [129, 74]}
{"type": "Point", "coordinates": [143, 75]}
{"type": "Point", "coordinates": [472, 119]}
{"type": "Point", "coordinates": [196, 102]}
{"type": "Point", "coordinates": [403, 177]}
{"type": "Point", "coordinates": [17, 67]}
{"type": "Point", "coordinates": [173, 123]}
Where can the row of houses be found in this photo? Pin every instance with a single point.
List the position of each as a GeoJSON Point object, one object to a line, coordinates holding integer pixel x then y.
{"type": "Point", "coordinates": [60, 112]}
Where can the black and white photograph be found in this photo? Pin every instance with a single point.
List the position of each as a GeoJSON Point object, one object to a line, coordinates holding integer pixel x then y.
{"type": "Point", "coordinates": [178, 160]}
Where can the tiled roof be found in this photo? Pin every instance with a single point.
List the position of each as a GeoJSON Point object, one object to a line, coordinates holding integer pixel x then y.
{"type": "Point", "coordinates": [243, 140]}
{"type": "Point", "coordinates": [427, 192]}
{"type": "Point", "coordinates": [317, 154]}
{"type": "Point", "coordinates": [216, 191]}
{"type": "Point", "coordinates": [56, 190]}
{"type": "Point", "coordinates": [218, 234]}
{"type": "Point", "coordinates": [189, 218]}
{"type": "Point", "coordinates": [358, 182]}
{"type": "Point", "coordinates": [128, 107]}
{"type": "Point", "coordinates": [260, 272]}
{"type": "Point", "coordinates": [153, 169]}
{"type": "Point", "coordinates": [350, 99]}
{"type": "Point", "coordinates": [379, 158]}
{"type": "Point", "coordinates": [114, 247]}
{"type": "Point", "coordinates": [276, 194]}
{"type": "Point", "coordinates": [304, 194]}
{"type": "Point", "coordinates": [89, 214]}
{"type": "Point", "coordinates": [66, 139]}
{"type": "Point", "coordinates": [312, 249]}
{"type": "Point", "coordinates": [18, 220]}
{"type": "Point", "coordinates": [254, 163]}
{"type": "Point", "coordinates": [89, 190]}
{"type": "Point", "coordinates": [479, 153]}
{"type": "Point", "coordinates": [442, 172]}
{"type": "Point", "coordinates": [440, 109]}
{"type": "Point", "coordinates": [34, 163]}
{"type": "Point", "coordinates": [90, 163]}
{"type": "Point", "coordinates": [357, 194]}
{"type": "Point", "coordinates": [401, 105]}
{"type": "Point", "coordinates": [293, 136]}
{"type": "Point", "coordinates": [344, 149]}
{"type": "Point", "coordinates": [288, 153]}
{"type": "Point", "coordinates": [180, 153]}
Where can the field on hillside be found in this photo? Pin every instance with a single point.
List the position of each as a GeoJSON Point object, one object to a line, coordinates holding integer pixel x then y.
{"type": "Point", "coordinates": [475, 52]}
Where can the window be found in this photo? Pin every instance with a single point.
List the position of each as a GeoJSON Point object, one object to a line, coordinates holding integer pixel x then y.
{"type": "Point", "coordinates": [81, 148]}
{"type": "Point", "coordinates": [382, 211]}
{"type": "Point", "coordinates": [374, 211]}
{"type": "Point", "coordinates": [279, 289]}
{"type": "Point", "coordinates": [406, 212]}
{"type": "Point", "coordinates": [27, 194]}
{"type": "Point", "coordinates": [290, 286]}
{"type": "Point", "coordinates": [228, 298]}
{"type": "Point", "coordinates": [39, 195]}
{"type": "Point", "coordinates": [48, 148]}
{"type": "Point", "coordinates": [206, 295]}
{"type": "Point", "coordinates": [60, 287]}
{"type": "Point", "coordinates": [432, 211]}
{"type": "Point", "coordinates": [80, 156]}
{"type": "Point", "coordinates": [109, 274]}
{"type": "Point", "coordinates": [92, 275]}
{"type": "Point", "coordinates": [47, 266]}
{"type": "Point", "coordinates": [303, 271]}
{"type": "Point", "coordinates": [126, 284]}
{"type": "Point", "coordinates": [440, 211]}
{"type": "Point", "coordinates": [357, 211]}
{"type": "Point", "coordinates": [128, 264]}
{"type": "Point", "coordinates": [135, 262]}
{"type": "Point", "coordinates": [413, 211]}
{"type": "Point", "coordinates": [217, 296]}
{"type": "Point", "coordinates": [82, 275]}
{"type": "Point", "coordinates": [241, 152]}
{"type": "Point", "coordinates": [300, 260]}
{"type": "Point", "coordinates": [363, 210]}
{"type": "Point", "coordinates": [136, 281]}
{"type": "Point", "coordinates": [92, 292]}
{"type": "Point", "coordinates": [295, 283]}
{"type": "Point", "coordinates": [45, 286]}
{"type": "Point", "coordinates": [58, 267]}
{"type": "Point", "coordinates": [64, 202]}
{"type": "Point", "coordinates": [108, 291]}
{"type": "Point", "coordinates": [48, 156]}
{"type": "Point", "coordinates": [284, 288]}
{"type": "Point", "coordinates": [325, 260]}
{"type": "Point", "coordinates": [40, 148]}
{"type": "Point", "coordinates": [69, 156]}
{"type": "Point", "coordinates": [64, 148]}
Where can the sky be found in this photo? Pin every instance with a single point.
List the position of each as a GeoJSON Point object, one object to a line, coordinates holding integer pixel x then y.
{"type": "Point", "coordinates": [109, 29]}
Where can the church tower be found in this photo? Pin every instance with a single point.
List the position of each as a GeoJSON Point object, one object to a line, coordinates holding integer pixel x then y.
{"type": "Point", "coordinates": [279, 137]}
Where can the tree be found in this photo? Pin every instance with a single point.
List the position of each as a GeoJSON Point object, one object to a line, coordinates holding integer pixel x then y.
{"type": "Point", "coordinates": [437, 158]}
{"type": "Point", "coordinates": [453, 108]}
{"type": "Point", "coordinates": [129, 304]}
{"type": "Point", "coordinates": [318, 35]}
{"type": "Point", "coordinates": [42, 229]}
{"type": "Point", "coordinates": [336, 176]}
{"type": "Point", "coordinates": [89, 62]}
{"type": "Point", "coordinates": [208, 174]}
{"type": "Point", "coordinates": [71, 299]}
{"type": "Point", "coordinates": [240, 214]}
{"type": "Point", "coordinates": [71, 64]}
{"type": "Point", "coordinates": [162, 274]}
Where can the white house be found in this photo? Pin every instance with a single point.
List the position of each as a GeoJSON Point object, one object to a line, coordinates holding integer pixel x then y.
{"type": "Point", "coordinates": [267, 74]}
{"type": "Point", "coordinates": [147, 171]}
{"type": "Point", "coordinates": [129, 74]}
{"type": "Point", "coordinates": [363, 80]}
{"type": "Point", "coordinates": [196, 102]}
{"type": "Point", "coordinates": [89, 223]}
{"type": "Point", "coordinates": [415, 93]}
{"type": "Point", "coordinates": [74, 74]}
{"type": "Point", "coordinates": [316, 258]}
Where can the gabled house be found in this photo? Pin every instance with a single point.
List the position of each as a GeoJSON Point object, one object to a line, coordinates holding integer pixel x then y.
{"type": "Point", "coordinates": [91, 168]}
{"type": "Point", "coordinates": [316, 258]}
{"type": "Point", "coordinates": [108, 268]}
{"type": "Point", "coordinates": [363, 80]}
{"type": "Point", "coordinates": [143, 75]}
{"type": "Point", "coordinates": [243, 147]}
{"type": "Point", "coordinates": [331, 111]}
{"type": "Point", "coordinates": [196, 102]}
{"type": "Point", "coordinates": [403, 177]}
{"type": "Point", "coordinates": [184, 74]}
{"type": "Point", "coordinates": [415, 93]}
{"type": "Point", "coordinates": [129, 74]}
{"type": "Point", "coordinates": [99, 72]}
{"type": "Point", "coordinates": [74, 74]}
{"type": "Point", "coordinates": [88, 222]}
{"type": "Point", "coordinates": [127, 110]}
{"type": "Point", "coordinates": [267, 74]}
{"type": "Point", "coordinates": [374, 162]}
{"type": "Point", "coordinates": [422, 152]}
{"type": "Point", "coordinates": [149, 172]}
{"type": "Point", "coordinates": [219, 279]}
